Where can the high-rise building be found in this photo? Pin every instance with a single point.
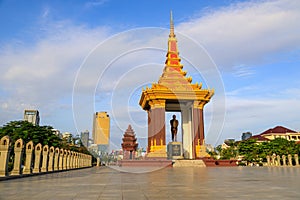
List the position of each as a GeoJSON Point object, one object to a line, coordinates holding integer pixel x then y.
{"type": "Point", "coordinates": [246, 135]}
{"type": "Point", "coordinates": [101, 130]}
{"type": "Point", "coordinates": [84, 137]}
{"type": "Point", "coordinates": [32, 116]}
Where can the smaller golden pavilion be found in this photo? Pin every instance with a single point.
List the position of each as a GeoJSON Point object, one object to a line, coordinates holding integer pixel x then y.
{"type": "Point", "coordinates": [175, 92]}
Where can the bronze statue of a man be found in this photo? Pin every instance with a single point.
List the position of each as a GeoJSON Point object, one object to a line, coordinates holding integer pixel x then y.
{"type": "Point", "coordinates": [174, 125]}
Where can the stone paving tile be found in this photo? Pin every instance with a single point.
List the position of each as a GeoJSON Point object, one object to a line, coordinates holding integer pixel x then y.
{"type": "Point", "coordinates": [169, 183]}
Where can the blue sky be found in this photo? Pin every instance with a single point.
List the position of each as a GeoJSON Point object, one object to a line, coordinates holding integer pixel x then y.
{"type": "Point", "coordinates": [54, 57]}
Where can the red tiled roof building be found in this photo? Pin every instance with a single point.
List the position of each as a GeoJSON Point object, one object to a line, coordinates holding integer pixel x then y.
{"type": "Point", "coordinates": [277, 132]}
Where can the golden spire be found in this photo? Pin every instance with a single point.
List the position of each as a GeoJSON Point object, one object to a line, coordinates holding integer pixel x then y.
{"type": "Point", "coordinates": [171, 25]}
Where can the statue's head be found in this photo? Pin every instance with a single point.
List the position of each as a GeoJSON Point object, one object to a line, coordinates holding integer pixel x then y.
{"type": "Point", "coordinates": [174, 116]}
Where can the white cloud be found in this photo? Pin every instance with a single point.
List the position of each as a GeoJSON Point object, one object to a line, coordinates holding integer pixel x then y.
{"type": "Point", "coordinates": [46, 12]}
{"type": "Point", "coordinates": [41, 75]}
{"type": "Point", "coordinates": [247, 33]}
{"type": "Point", "coordinates": [95, 3]}
{"type": "Point", "coordinates": [259, 114]}
{"type": "Point", "coordinates": [243, 71]}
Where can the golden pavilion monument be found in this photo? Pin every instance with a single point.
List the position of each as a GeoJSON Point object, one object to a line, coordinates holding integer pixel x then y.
{"type": "Point", "coordinates": [175, 92]}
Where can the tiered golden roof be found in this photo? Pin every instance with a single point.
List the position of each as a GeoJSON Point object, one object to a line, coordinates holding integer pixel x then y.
{"type": "Point", "coordinates": [173, 84]}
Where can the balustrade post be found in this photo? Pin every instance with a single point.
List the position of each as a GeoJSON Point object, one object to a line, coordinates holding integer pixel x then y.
{"type": "Point", "coordinates": [45, 158]}
{"type": "Point", "coordinates": [71, 159]}
{"type": "Point", "coordinates": [90, 161]}
{"type": "Point", "coordinates": [290, 163]}
{"type": "Point", "coordinates": [273, 159]}
{"type": "Point", "coordinates": [83, 160]}
{"type": "Point", "coordinates": [98, 162]}
{"type": "Point", "coordinates": [68, 159]}
{"type": "Point", "coordinates": [296, 159]}
{"type": "Point", "coordinates": [19, 145]}
{"type": "Point", "coordinates": [79, 160]}
{"type": "Point", "coordinates": [61, 159]}
{"type": "Point", "coordinates": [268, 160]}
{"type": "Point", "coordinates": [37, 160]}
{"type": "Point", "coordinates": [51, 159]}
{"type": "Point", "coordinates": [278, 160]}
{"type": "Point", "coordinates": [86, 160]}
{"type": "Point", "coordinates": [28, 160]}
{"type": "Point", "coordinates": [56, 159]}
{"type": "Point", "coordinates": [5, 147]}
{"type": "Point", "coordinates": [284, 160]}
{"type": "Point", "coordinates": [76, 160]}
{"type": "Point", "coordinates": [65, 159]}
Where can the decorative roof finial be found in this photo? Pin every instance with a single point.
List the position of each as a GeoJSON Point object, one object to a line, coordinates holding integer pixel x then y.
{"type": "Point", "coordinates": [171, 25]}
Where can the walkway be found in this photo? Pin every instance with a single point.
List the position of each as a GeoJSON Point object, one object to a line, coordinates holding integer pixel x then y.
{"type": "Point", "coordinates": [168, 183]}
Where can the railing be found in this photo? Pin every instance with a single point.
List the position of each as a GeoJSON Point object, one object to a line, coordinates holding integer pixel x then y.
{"type": "Point", "coordinates": [38, 159]}
{"type": "Point", "coordinates": [277, 160]}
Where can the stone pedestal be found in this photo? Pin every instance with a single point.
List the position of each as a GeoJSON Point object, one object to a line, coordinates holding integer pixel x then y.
{"type": "Point", "coordinates": [174, 150]}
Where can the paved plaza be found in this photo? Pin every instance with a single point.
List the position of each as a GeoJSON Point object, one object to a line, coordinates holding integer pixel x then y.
{"type": "Point", "coordinates": [167, 183]}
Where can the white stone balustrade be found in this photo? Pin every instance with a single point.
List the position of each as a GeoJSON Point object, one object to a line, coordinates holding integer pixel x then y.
{"type": "Point", "coordinates": [46, 159]}
{"type": "Point", "coordinates": [286, 160]}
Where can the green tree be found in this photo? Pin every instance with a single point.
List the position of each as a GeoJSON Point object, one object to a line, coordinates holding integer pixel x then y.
{"type": "Point", "coordinates": [249, 149]}
{"type": "Point", "coordinates": [282, 146]}
{"type": "Point", "coordinates": [27, 131]}
{"type": "Point", "coordinates": [230, 152]}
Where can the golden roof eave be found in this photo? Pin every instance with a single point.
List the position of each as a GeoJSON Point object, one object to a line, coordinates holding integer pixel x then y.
{"type": "Point", "coordinates": [150, 94]}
